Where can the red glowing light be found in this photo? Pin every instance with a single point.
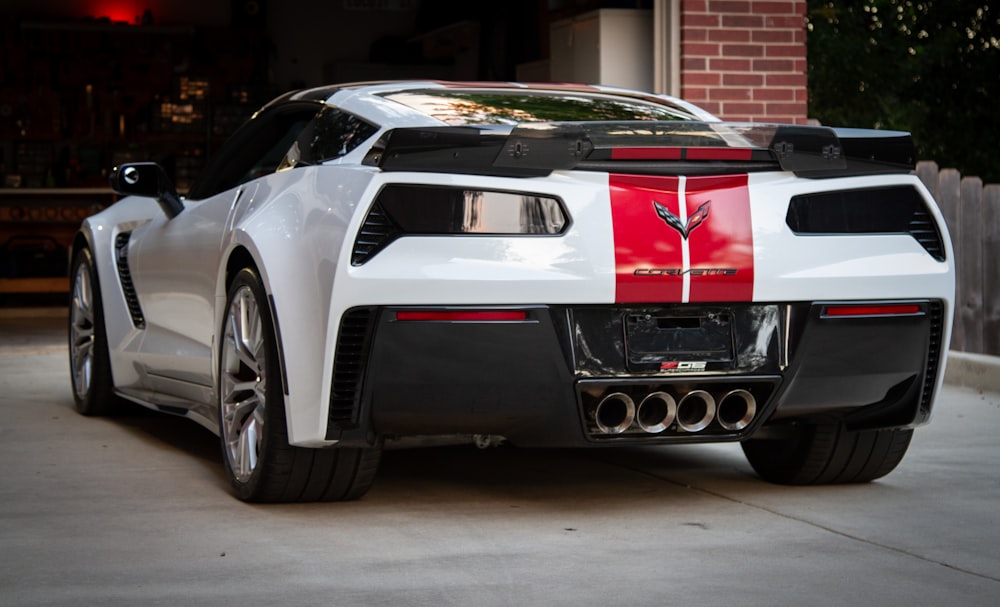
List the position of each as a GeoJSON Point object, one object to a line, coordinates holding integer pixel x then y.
{"type": "Point", "coordinates": [127, 11]}
{"type": "Point", "coordinates": [873, 310]}
{"type": "Point", "coordinates": [462, 315]}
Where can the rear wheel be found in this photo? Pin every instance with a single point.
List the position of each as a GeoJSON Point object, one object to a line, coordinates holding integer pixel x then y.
{"type": "Point", "coordinates": [262, 466]}
{"type": "Point", "coordinates": [826, 452]}
{"type": "Point", "coordinates": [89, 360]}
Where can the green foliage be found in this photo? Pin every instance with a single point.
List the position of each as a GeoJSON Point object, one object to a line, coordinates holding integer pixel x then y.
{"type": "Point", "coordinates": [931, 67]}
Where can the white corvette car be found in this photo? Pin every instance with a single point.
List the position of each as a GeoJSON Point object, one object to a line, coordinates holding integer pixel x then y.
{"type": "Point", "coordinates": [550, 265]}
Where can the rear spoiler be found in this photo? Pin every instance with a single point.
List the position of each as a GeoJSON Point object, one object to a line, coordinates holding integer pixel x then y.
{"type": "Point", "coordinates": [644, 147]}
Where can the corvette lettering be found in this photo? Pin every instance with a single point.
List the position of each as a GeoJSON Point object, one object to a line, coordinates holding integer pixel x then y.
{"type": "Point", "coordinates": [681, 272]}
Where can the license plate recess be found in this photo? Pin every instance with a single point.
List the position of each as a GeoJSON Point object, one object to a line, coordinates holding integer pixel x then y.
{"type": "Point", "coordinates": [701, 341]}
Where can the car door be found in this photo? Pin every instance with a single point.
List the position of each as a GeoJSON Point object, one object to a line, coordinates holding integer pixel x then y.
{"type": "Point", "coordinates": [176, 263]}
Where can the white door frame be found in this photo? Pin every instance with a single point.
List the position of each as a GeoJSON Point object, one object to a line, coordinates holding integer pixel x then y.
{"type": "Point", "coordinates": [667, 47]}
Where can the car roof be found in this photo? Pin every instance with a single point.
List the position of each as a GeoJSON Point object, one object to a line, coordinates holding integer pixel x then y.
{"type": "Point", "coordinates": [324, 93]}
{"type": "Point", "coordinates": [367, 99]}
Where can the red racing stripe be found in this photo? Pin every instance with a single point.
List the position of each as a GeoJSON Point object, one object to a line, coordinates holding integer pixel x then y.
{"type": "Point", "coordinates": [723, 240]}
{"type": "Point", "coordinates": [642, 240]}
{"type": "Point", "coordinates": [653, 235]}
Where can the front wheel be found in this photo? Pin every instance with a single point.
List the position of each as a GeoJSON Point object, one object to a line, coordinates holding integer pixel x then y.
{"type": "Point", "coordinates": [826, 452]}
{"type": "Point", "coordinates": [89, 359]}
{"type": "Point", "coordinates": [262, 466]}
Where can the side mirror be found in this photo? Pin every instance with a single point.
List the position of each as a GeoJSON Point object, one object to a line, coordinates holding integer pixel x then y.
{"type": "Point", "coordinates": [147, 179]}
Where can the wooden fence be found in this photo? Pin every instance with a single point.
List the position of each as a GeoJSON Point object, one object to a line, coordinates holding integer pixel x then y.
{"type": "Point", "coordinates": [973, 215]}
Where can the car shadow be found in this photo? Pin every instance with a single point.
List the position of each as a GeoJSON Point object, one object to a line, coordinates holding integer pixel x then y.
{"type": "Point", "coordinates": [460, 473]}
{"type": "Point", "coordinates": [174, 432]}
{"type": "Point", "coordinates": [587, 476]}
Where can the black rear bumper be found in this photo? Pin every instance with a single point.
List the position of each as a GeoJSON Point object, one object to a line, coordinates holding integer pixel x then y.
{"type": "Point", "coordinates": [545, 378]}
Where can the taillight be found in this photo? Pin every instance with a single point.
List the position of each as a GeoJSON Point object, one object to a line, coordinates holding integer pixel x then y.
{"type": "Point", "coordinates": [421, 210]}
{"type": "Point", "coordinates": [692, 153]}
{"type": "Point", "coordinates": [885, 210]}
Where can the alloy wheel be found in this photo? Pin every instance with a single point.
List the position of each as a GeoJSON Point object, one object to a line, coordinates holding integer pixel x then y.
{"type": "Point", "coordinates": [243, 384]}
{"type": "Point", "coordinates": [82, 331]}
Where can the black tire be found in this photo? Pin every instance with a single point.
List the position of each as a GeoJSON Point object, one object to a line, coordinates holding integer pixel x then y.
{"type": "Point", "coordinates": [827, 453]}
{"type": "Point", "coordinates": [89, 360]}
{"type": "Point", "coordinates": [261, 465]}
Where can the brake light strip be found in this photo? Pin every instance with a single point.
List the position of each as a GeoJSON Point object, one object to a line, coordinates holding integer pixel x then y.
{"type": "Point", "coordinates": [841, 311]}
{"type": "Point", "coordinates": [462, 315]}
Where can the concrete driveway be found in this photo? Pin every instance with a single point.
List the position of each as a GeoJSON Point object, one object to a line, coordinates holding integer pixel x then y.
{"type": "Point", "coordinates": [135, 511]}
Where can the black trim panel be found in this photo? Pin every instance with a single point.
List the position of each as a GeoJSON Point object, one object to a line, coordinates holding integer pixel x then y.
{"type": "Point", "coordinates": [872, 369]}
{"type": "Point", "coordinates": [349, 365]}
{"type": "Point", "coordinates": [537, 149]}
{"type": "Point", "coordinates": [280, 344]}
{"type": "Point", "coordinates": [471, 377]}
{"type": "Point", "coordinates": [537, 381]}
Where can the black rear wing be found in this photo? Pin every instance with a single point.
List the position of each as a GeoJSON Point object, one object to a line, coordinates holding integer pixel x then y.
{"type": "Point", "coordinates": [644, 147]}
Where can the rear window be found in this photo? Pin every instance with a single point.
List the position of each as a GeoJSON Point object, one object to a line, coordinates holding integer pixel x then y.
{"type": "Point", "coordinates": [455, 107]}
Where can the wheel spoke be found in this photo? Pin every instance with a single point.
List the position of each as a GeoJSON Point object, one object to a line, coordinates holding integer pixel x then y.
{"type": "Point", "coordinates": [82, 363]}
{"type": "Point", "coordinates": [239, 387]}
{"type": "Point", "coordinates": [82, 295]}
{"type": "Point", "coordinates": [247, 332]}
{"type": "Point", "coordinates": [82, 331]}
{"type": "Point", "coordinates": [249, 447]}
{"type": "Point", "coordinates": [241, 426]}
{"type": "Point", "coordinates": [236, 414]}
{"type": "Point", "coordinates": [242, 385]}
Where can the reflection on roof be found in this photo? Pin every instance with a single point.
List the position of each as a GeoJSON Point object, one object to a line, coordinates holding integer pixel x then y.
{"type": "Point", "coordinates": [515, 106]}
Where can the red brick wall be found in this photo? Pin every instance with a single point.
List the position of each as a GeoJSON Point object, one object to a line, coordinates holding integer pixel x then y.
{"type": "Point", "coordinates": [745, 60]}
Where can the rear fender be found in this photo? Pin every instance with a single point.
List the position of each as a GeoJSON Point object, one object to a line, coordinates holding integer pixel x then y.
{"type": "Point", "coordinates": [295, 241]}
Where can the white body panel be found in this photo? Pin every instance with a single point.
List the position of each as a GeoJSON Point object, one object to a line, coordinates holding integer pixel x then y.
{"type": "Point", "coordinates": [790, 267]}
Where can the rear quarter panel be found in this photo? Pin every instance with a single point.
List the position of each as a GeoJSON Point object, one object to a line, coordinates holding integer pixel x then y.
{"type": "Point", "coordinates": [295, 227]}
{"type": "Point", "coordinates": [792, 267]}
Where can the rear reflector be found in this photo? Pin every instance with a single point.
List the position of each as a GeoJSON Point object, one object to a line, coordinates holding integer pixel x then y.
{"type": "Point", "coordinates": [462, 315]}
{"type": "Point", "coordinates": [872, 310]}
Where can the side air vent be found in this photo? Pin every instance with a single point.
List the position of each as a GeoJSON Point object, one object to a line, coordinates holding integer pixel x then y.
{"type": "Point", "coordinates": [936, 313]}
{"type": "Point", "coordinates": [353, 342]}
{"type": "Point", "coordinates": [890, 210]}
{"type": "Point", "coordinates": [128, 289]}
{"type": "Point", "coordinates": [375, 234]}
{"type": "Point", "coordinates": [923, 229]}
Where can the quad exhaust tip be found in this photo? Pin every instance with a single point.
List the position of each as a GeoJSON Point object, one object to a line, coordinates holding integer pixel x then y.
{"type": "Point", "coordinates": [615, 413]}
{"type": "Point", "coordinates": [736, 410]}
{"type": "Point", "coordinates": [695, 411]}
{"type": "Point", "coordinates": [658, 411]}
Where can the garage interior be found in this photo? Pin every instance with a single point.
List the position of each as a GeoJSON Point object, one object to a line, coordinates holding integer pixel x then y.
{"type": "Point", "coordinates": [87, 85]}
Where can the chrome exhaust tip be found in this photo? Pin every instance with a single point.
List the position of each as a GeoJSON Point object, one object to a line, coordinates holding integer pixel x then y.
{"type": "Point", "coordinates": [736, 409]}
{"type": "Point", "coordinates": [695, 411]}
{"type": "Point", "coordinates": [615, 413]}
{"type": "Point", "coordinates": [656, 412]}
